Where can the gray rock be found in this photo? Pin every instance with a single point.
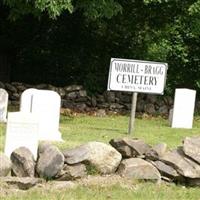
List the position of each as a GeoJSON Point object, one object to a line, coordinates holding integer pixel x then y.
{"type": "Point", "coordinates": [93, 101]}
{"type": "Point", "coordinates": [191, 147]}
{"type": "Point", "coordinates": [23, 164]}
{"type": "Point", "coordinates": [149, 108]}
{"type": "Point", "coordinates": [5, 165]}
{"type": "Point", "coordinates": [43, 146]}
{"type": "Point", "coordinates": [50, 162]}
{"type": "Point", "coordinates": [115, 106]}
{"type": "Point", "coordinates": [130, 147]}
{"type": "Point", "coordinates": [140, 106]}
{"type": "Point", "coordinates": [15, 96]}
{"type": "Point", "coordinates": [82, 93]}
{"type": "Point", "coordinates": [72, 172]}
{"type": "Point", "coordinates": [138, 168]}
{"type": "Point", "coordinates": [170, 117]}
{"type": "Point", "coordinates": [151, 98]}
{"type": "Point", "coordinates": [184, 166]}
{"type": "Point", "coordinates": [167, 170]}
{"type": "Point", "coordinates": [156, 151]}
{"type": "Point", "coordinates": [109, 96]}
{"type": "Point", "coordinates": [72, 95]}
{"type": "Point", "coordinates": [101, 113]}
{"type": "Point", "coordinates": [2, 85]}
{"type": "Point", "coordinates": [61, 92]}
{"type": "Point", "coordinates": [72, 88]}
{"type": "Point", "coordinates": [41, 86]}
{"type": "Point", "coordinates": [100, 99]}
{"type": "Point", "coordinates": [163, 110]}
{"type": "Point", "coordinates": [102, 156]}
{"type": "Point", "coordinates": [81, 107]}
{"type": "Point", "coordinates": [10, 88]}
{"type": "Point", "coordinates": [168, 100]}
{"type": "Point", "coordinates": [21, 88]}
{"type": "Point", "coordinates": [193, 182]}
{"type": "Point", "coordinates": [23, 183]}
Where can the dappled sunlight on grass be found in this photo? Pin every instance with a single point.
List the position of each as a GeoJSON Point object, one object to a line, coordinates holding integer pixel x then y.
{"type": "Point", "coordinates": [80, 129]}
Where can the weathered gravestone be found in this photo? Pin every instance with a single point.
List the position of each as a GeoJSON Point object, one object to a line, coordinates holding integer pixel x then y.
{"type": "Point", "coordinates": [183, 110]}
{"type": "Point", "coordinates": [22, 131]}
{"type": "Point", "coordinates": [3, 105]}
{"type": "Point", "coordinates": [46, 105]}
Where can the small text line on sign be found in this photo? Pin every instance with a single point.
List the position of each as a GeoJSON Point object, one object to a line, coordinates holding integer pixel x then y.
{"type": "Point", "coordinates": [137, 76]}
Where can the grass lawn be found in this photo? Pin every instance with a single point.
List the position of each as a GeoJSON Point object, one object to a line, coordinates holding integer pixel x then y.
{"type": "Point", "coordinates": [80, 129]}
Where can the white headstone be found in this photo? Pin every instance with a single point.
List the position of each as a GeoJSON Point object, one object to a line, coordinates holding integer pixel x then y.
{"type": "Point", "coordinates": [3, 105]}
{"type": "Point", "coordinates": [26, 100]}
{"type": "Point", "coordinates": [46, 105]}
{"type": "Point", "coordinates": [183, 110]}
{"type": "Point", "coordinates": [22, 130]}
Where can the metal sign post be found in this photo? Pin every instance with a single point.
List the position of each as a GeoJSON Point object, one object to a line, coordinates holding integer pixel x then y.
{"type": "Point", "coordinates": [133, 111]}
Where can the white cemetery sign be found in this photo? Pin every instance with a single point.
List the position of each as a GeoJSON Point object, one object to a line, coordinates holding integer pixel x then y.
{"type": "Point", "coordinates": [46, 105]}
{"type": "Point", "coordinates": [137, 76]}
{"type": "Point", "coordinates": [3, 105]}
{"type": "Point", "coordinates": [22, 130]}
{"type": "Point", "coordinates": [183, 110]}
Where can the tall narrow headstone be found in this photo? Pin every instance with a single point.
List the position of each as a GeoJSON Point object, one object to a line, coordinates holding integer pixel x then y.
{"type": "Point", "coordinates": [21, 131]}
{"type": "Point", "coordinates": [3, 105]}
{"type": "Point", "coordinates": [45, 104]}
{"type": "Point", "coordinates": [183, 110]}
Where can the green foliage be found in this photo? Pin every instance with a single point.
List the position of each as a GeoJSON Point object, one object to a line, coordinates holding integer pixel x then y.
{"type": "Point", "coordinates": [78, 45]}
{"type": "Point", "coordinates": [54, 8]}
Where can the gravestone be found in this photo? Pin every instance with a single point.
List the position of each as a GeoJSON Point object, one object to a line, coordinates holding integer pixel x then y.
{"type": "Point", "coordinates": [183, 110]}
{"type": "Point", "coordinates": [22, 131]}
{"type": "Point", "coordinates": [26, 100]}
{"type": "Point", "coordinates": [45, 104]}
{"type": "Point", "coordinates": [3, 105]}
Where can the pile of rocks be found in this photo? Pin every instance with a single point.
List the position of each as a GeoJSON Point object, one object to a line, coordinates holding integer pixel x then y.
{"type": "Point", "coordinates": [130, 158]}
{"type": "Point", "coordinates": [75, 97]}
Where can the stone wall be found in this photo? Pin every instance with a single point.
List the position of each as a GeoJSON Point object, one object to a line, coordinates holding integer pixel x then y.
{"type": "Point", "coordinates": [126, 157]}
{"type": "Point", "coordinates": [75, 97]}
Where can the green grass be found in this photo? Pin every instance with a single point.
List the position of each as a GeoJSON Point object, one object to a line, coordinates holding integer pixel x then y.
{"type": "Point", "coordinates": [147, 191]}
{"type": "Point", "coordinates": [81, 129]}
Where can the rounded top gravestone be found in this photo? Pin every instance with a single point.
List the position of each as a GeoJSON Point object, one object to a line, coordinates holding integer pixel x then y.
{"type": "Point", "coordinates": [46, 105]}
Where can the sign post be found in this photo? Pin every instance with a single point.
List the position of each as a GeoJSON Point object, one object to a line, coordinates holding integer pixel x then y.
{"type": "Point", "coordinates": [136, 76]}
{"type": "Point", "coordinates": [133, 111]}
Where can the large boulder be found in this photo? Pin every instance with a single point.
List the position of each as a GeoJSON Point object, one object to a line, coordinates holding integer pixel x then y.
{"type": "Point", "coordinates": [138, 168]}
{"type": "Point", "coordinates": [130, 147]}
{"type": "Point", "coordinates": [156, 151]}
{"type": "Point", "coordinates": [72, 172]}
{"type": "Point", "coordinates": [184, 166]}
{"type": "Point", "coordinates": [167, 171]}
{"type": "Point", "coordinates": [102, 156]}
{"type": "Point", "coordinates": [23, 163]}
{"type": "Point", "coordinates": [5, 165]}
{"type": "Point", "coordinates": [50, 161]}
{"type": "Point", "coordinates": [191, 147]}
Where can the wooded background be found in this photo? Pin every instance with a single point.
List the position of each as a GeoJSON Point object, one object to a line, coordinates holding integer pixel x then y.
{"type": "Point", "coordinates": [71, 41]}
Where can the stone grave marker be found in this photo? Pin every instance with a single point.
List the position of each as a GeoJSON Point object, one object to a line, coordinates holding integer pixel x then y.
{"type": "Point", "coordinates": [22, 130]}
{"type": "Point", "coordinates": [183, 110]}
{"type": "Point", "coordinates": [46, 105]}
{"type": "Point", "coordinates": [3, 105]}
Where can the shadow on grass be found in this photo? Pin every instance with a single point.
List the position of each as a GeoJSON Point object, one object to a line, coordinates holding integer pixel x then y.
{"type": "Point", "coordinates": [108, 129]}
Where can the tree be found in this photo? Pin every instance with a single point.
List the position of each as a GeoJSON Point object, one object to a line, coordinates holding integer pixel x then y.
{"type": "Point", "coordinates": [67, 37]}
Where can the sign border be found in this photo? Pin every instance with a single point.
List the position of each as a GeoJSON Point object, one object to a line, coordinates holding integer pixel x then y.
{"type": "Point", "coordinates": [140, 61]}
